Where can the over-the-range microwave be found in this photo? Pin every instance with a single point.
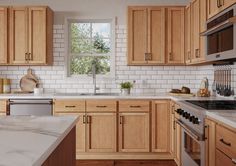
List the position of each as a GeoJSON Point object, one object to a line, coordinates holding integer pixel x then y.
{"type": "Point", "coordinates": [221, 36]}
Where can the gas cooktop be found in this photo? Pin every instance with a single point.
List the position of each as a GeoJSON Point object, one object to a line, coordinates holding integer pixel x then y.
{"type": "Point", "coordinates": [214, 104]}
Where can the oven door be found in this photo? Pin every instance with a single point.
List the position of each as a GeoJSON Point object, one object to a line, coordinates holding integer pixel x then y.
{"type": "Point", "coordinates": [192, 148]}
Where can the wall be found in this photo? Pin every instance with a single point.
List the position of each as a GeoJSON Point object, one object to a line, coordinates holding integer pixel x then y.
{"type": "Point", "coordinates": [148, 79]}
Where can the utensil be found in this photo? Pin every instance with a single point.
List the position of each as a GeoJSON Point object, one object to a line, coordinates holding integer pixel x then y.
{"type": "Point", "coordinates": [29, 82]}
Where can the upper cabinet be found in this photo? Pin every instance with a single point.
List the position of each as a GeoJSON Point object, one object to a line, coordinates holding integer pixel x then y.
{"type": "Point", "coordinates": [175, 35]}
{"type": "Point", "coordinates": [3, 35]}
{"type": "Point", "coordinates": [31, 35]}
{"type": "Point", "coordinates": [216, 6]}
{"type": "Point", "coordinates": [149, 35]}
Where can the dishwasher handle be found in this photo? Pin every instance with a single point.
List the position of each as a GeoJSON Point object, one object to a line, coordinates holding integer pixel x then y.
{"type": "Point", "coordinates": [47, 102]}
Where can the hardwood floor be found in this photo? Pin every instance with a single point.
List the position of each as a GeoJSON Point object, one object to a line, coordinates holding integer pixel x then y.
{"type": "Point", "coordinates": [125, 163]}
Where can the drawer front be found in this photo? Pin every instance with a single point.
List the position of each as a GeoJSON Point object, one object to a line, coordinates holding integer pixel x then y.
{"type": "Point", "coordinates": [226, 141]}
{"type": "Point", "coordinates": [101, 106]}
{"type": "Point", "coordinates": [222, 159]}
{"type": "Point", "coordinates": [3, 106]}
{"type": "Point", "coordinates": [134, 106]}
{"type": "Point", "coordinates": [69, 106]}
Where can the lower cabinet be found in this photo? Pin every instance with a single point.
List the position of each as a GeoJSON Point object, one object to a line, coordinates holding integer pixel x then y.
{"type": "Point", "coordinates": [134, 132]}
{"type": "Point", "coordinates": [178, 138]}
{"type": "Point", "coordinates": [101, 132]}
{"type": "Point", "coordinates": [161, 126]}
{"type": "Point", "coordinates": [3, 107]}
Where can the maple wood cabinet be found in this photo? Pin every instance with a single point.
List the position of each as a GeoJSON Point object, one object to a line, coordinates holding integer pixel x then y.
{"type": "Point", "coordinates": [3, 107]}
{"type": "Point", "coordinates": [161, 129]}
{"type": "Point", "coordinates": [150, 38]}
{"type": "Point", "coordinates": [220, 144]}
{"type": "Point", "coordinates": [3, 35]}
{"type": "Point", "coordinates": [31, 35]}
{"type": "Point", "coordinates": [216, 6]}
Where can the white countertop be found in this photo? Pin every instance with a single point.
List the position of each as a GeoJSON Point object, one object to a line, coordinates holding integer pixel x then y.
{"type": "Point", "coordinates": [225, 117]}
{"type": "Point", "coordinates": [29, 140]}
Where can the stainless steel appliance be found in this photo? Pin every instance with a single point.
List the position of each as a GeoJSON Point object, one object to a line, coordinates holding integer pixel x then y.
{"type": "Point", "coordinates": [192, 114]}
{"type": "Point", "coordinates": [221, 35]}
{"type": "Point", "coordinates": [37, 107]}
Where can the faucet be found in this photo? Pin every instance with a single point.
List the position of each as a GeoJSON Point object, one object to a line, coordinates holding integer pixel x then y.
{"type": "Point", "coordinates": [95, 88]}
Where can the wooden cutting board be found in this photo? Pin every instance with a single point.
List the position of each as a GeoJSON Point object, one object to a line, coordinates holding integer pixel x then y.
{"type": "Point", "coordinates": [182, 94]}
{"type": "Point", "coordinates": [29, 82]}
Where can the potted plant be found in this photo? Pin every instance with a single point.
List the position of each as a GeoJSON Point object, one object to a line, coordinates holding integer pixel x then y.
{"type": "Point", "coordinates": [125, 87]}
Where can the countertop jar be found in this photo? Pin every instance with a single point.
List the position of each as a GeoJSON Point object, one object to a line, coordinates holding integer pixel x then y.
{"type": "Point", "coordinates": [6, 85]}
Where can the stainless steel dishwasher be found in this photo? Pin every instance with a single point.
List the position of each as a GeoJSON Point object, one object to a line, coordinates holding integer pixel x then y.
{"type": "Point", "coordinates": [37, 107]}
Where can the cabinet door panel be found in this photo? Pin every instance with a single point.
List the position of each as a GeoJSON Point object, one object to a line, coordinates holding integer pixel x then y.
{"type": "Point", "coordinates": [156, 35]}
{"type": "Point", "coordinates": [134, 132]}
{"type": "Point", "coordinates": [18, 35]}
{"type": "Point", "coordinates": [80, 130]}
{"type": "Point", "coordinates": [101, 132]}
{"type": "Point", "coordinates": [176, 35]}
{"type": "Point", "coordinates": [3, 35]}
{"type": "Point", "coordinates": [161, 126]}
{"type": "Point", "coordinates": [178, 144]}
{"type": "Point", "coordinates": [213, 9]}
{"type": "Point", "coordinates": [137, 35]}
{"type": "Point", "coordinates": [37, 35]}
{"type": "Point", "coordinates": [188, 35]}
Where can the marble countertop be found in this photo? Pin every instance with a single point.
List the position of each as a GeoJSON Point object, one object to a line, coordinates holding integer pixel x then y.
{"type": "Point", "coordinates": [229, 118]}
{"type": "Point", "coordinates": [29, 140]}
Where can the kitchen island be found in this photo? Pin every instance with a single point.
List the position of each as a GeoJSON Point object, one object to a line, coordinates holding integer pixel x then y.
{"type": "Point", "coordinates": [35, 141]}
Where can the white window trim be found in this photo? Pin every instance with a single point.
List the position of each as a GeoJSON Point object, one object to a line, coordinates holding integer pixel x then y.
{"type": "Point", "coordinates": [111, 75]}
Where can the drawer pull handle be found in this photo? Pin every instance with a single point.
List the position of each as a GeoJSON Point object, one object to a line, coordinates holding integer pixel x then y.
{"type": "Point", "coordinates": [234, 161]}
{"type": "Point", "coordinates": [70, 106]}
{"type": "Point", "coordinates": [135, 106]}
{"type": "Point", "coordinates": [224, 142]}
{"type": "Point", "coordinates": [121, 120]}
{"type": "Point", "coordinates": [84, 119]}
{"type": "Point", "coordinates": [101, 106]}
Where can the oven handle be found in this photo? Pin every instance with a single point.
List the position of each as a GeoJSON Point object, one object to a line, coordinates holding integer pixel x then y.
{"type": "Point", "coordinates": [189, 131]}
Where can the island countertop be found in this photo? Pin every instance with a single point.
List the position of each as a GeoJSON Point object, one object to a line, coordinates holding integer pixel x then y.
{"type": "Point", "coordinates": [29, 140]}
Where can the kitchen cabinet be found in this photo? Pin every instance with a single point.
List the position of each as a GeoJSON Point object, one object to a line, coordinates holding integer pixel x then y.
{"type": "Point", "coordinates": [134, 132]}
{"type": "Point", "coordinates": [188, 34]}
{"type": "Point", "coordinates": [161, 126]}
{"type": "Point", "coordinates": [146, 35]}
{"type": "Point", "coordinates": [70, 106]}
{"type": "Point", "coordinates": [216, 6]}
{"type": "Point", "coordinates": [101, 132]}
{"type": "Point", "coordinates": [175, 35]}
{"type": "Point", "coordinates": [210, 142]}
{"type": "Point", "coordinates": [149, 36]}
{"type": "Point", "coordinates": [80, 130]}
{"type": "Point", "coordinates": [3, 35]}
{"type": "Point", "coordinates": [31, 35]}
{"type": "Point", "coordinates": [3, 107]}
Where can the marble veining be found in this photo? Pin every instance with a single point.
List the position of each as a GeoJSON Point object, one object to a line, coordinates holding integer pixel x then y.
{"type": "Point", "coordinates": [29, 140]}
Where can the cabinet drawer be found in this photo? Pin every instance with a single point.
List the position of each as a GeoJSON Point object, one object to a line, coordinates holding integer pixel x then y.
{"type": "Point", "coordinates": [134, 106]}
{"type": "Point", "coordinates": [3, 106]}
{"type": "Point", "coordinates": [69, 106]}
{"type": "Point", "coordinates": [101, 106]}
{"type": "Point", "coordinates": [226, 141]}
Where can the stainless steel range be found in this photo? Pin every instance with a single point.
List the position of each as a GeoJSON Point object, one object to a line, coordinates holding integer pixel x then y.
{"type": "Point", "coordinates": [192, 114]}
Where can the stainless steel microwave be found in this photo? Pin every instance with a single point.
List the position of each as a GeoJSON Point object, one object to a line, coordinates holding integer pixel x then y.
{"type": "Point", "coordinates": [221, 36]}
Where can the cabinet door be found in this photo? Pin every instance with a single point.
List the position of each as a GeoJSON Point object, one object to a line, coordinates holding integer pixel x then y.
{"type": "Point", "coordinates": [178, 144]}
{"type": "Point", "coordinates": [227, 3]}
{"type": "Point", "coordinates": [210, 144]}
{"type": "Point", "coordinates": [156, 35]}
{"type": "Point", "coordinates": [134, 132]}
{"type": "Point", "coordinates": [101, 132]}
{"type": "Point", "coordinates": [137, 35]}
{"type": "Point", "coordinates": [18, 35]}
{"type": "Point", "coordinates": [212, 8]}
{"type": "Point", "coordinates": [203, 19]}
{"type": "Point", "coordinates": [172, 128]}
{"type": "Point", "coordinates": [188, 34]}
{"type": "Point", "coordinates": [175, 44]}
{"type": "Point", "coordinates": [222, 159]}
{"type": "Point", "coordinates": [195, 27]}
{"type": "Point", "coordinates": [3, 35]}
{"type": "Point", "coordinates": [37, 35]}
{"type": "Point", "coordinates": [80, 130]}
{"type": "Point", "coordinates": [161, 126]}
{"type": "Point", "coordinates": [3, 107]}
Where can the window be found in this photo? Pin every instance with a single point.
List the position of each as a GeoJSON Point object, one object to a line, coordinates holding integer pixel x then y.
{"type": "Point", "coordinates": [90, 41]}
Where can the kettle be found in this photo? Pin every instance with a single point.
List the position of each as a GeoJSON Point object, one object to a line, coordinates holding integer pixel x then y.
{"type": "Point", "coordinates": [204, 83]}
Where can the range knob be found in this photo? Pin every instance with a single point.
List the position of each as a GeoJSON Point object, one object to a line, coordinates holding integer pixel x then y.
{"type": "Point", "coordinates": [187, 115]}
{"type": "Point", "coordinates": [195, 121]}
{"type": "Point", "coordinates": [180, 111]}
{"type": "Point", "coordinates": [191, 118]}
{"type": "Point", "coordinates": [184, 114]}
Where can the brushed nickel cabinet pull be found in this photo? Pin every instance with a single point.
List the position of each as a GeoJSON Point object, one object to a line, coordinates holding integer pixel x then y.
{"type": "Point", "coordinates": [234, 161]}
{"type": "Point", "coordinates": [26, 56]}
{"type": "Point", "coordinates": [84, 119]}
{"type": "Point", "coordinates": [135, 106]}
{"type": "Point", "coordinates": [70, 106]}
{"type": "Point", "coordinates": [224, 142]}
{"type": "Point", "coordinates": [101, 106]}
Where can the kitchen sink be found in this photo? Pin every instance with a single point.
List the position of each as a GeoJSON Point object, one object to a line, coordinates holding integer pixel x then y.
{"type": "Point", "coordinates": [87, 94]}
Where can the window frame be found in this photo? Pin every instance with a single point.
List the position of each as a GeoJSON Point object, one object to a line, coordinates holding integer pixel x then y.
{"type": "Point", "coordinates": [112, 53]}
